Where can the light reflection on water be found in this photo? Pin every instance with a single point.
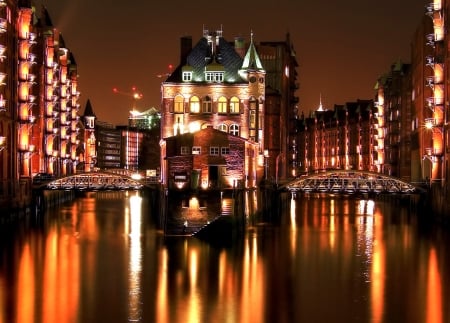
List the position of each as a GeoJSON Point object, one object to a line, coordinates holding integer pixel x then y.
{"type": "Point", "coordinates": [102, 258]}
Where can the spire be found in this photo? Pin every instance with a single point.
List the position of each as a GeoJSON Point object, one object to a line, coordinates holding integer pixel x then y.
{"type": "Point", "coordinates": [320, 108]}
{"type": "Point", "coordinates": [251, 59]}
{"type": "Point", "coordinates": [88, 111]}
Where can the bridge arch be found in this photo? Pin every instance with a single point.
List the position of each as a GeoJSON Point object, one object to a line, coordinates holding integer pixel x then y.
{"type": "Point", "coordinates": [350, 181]}
{"type": "Point", "coordinates": [93, 181]}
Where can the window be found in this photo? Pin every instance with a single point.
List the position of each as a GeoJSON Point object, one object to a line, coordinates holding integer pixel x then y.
{"type": "Point", "coordinates": [252, 121]}
{"type": "Point", "coordinates": [234, 130]}
{"type": "Point", "coordinates": [214, 151]}
{"type": "Point", "coordinates": [214, 77]}
{"type": "Point", "coordinates": [187, 76]}
{"type": "Point", "coordinates": [223, 127]}
{"type": "Point", "coordinates": [209, 77]}
{"type": "Point", "coordinates": [207, 105]}
{"type": "Point", "coordinates": [184, 150]}
{"type": "Point", "coordinates": [194, 104]}
{"type": "Point", "coordinates": [224, 150]}
{"type": "Point", "coordinates": [234, 105]}
{"type": "Point", "coordinates": [196, 150]}
{"type": "Point", "coordinates": [222, 105]}
{"type": "Point", "coordinates": [179, 101]}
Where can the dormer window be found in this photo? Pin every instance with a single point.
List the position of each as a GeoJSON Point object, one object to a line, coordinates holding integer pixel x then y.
{"type": "Point", "coordinates": [186, 73]}
{"type": "Point", "coordinates": [216, 77]}
{"type": "Point", "coordinates": [187, 76]}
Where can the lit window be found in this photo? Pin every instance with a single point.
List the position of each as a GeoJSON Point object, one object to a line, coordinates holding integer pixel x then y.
{"type": "Point", "coordinates": [214, 151]}
{"type": "Point", "coordinates": [252, 121]}
{"type": "Point", "coordinates": [223, 127]}
{"type": "Point", "coordinates": [179, 102]}
{"type": "Point", "coordinates": [225, 150]}
{"type": "Point", "coordinates": [209, 77]}
{"type": "Point", "coordinates": [184, 150]}
{"type": "Point", "coordinates": [222, 105]}
{"type": "Point", "coordinates": [187, 76]}
{"type": "Point", "coordinates": [196, 150]}
{"type": "Point", "coordinates": [207, 105]}
{"type": "Point", "coordinates": [195, 104]}
{"type": "Point", "coordinates": [234, 130]}
{"type": "Point", "coordinates": [234, 105]}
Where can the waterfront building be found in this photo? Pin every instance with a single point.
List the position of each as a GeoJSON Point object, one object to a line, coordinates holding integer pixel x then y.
{"type": "Point", "coordinates": [338, 138]}
{"type": "Point", "coordinates": [210, 159]}
{"type": "Point", "coordinates": [38, 101]}
{"type": "Point", "coordinates": [223, 85]}
{"type": "Point", "coordinates": [393, 102]}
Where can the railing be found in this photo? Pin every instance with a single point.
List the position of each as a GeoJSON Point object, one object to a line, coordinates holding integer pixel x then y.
{"type": "Point", "coordinates": [350, 182]}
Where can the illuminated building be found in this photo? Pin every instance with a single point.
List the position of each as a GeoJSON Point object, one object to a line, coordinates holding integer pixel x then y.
{"type": "Point", "coordinates": [432, 109]}
{"type": "Point", "coordinates": [89, 159]}
{"type": "Point", "coordinates": [148, 119]}
{"type": "Point", "coordinates": [393, 92]}
{"type": "Point", "coordinates": [214, 86]}
{"type": "Point", "coordinates": [341, 138]}
{"type": "Point", "coordinates": [38, 101]}
{"type": "Point", "coordinates": [280, 63]}
{"type": "Point", "coordinates": [210, 159]}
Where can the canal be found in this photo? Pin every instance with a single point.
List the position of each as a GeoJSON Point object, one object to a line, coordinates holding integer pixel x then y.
{"type": "Point", "coordinates": [104, 257]}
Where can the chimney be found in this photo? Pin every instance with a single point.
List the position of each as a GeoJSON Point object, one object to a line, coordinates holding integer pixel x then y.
{"type": "Point", "coordinates": [239, 46]}
{"type": "Point", "coordinates": [185, 48]}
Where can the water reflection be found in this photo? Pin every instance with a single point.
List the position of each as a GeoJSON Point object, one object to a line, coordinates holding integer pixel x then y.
{"type": "Point", "coordinates": [323, 259]}
{"type": "Point", "coordinates": [133, 225]}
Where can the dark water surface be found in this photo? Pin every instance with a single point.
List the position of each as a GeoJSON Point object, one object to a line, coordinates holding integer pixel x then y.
{"type": "Point", "coordinates": [103, 258]}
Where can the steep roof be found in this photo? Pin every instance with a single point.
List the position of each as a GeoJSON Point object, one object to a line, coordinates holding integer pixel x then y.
{"type": "Point", "coordinates": [251, 59]}
{"type": "Point", "coordinates": [202, 57]}
{"type": "Point", "coordinates": [88, 111]}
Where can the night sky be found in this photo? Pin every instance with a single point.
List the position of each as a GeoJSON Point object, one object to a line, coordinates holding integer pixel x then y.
{"type": "Point", "coordinates": [342, 46]}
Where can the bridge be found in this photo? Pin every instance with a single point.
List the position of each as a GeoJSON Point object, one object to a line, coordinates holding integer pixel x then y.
{"type": "Point", "coordinates": [350, 181]}
{"type": "Point", "coordinates": [94, 181]}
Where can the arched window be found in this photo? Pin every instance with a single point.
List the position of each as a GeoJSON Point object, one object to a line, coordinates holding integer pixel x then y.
{"type": "Point", "coordinates": [178, 104]}
{"type": "Point", "coordinates": [234, 105]}
{"type": "Point", "coordinates": [194, 104]}
{"type": "Point", "coordinates": [223, 127]}
{"type": "Point", "coordinates": [207, 105]}
{"type": "Point", "coordinates": [222, 105]}
{"type": "Point", "coordinates": [234, 130]}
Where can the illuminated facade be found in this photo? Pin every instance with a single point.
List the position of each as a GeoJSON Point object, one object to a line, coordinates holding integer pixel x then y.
{"type": "Point", "coordinates": [393, 102]}
{"type": "Point", "coordinates": [433, 114]}
{"type": "Point", "coordinates": [342, 138]}
{"type": "Point", "coordinates": [210, 159]}
{"type": "Point", "coordinates": [38, 101]}
{"type": "Point", "coordinates": [216, 85]}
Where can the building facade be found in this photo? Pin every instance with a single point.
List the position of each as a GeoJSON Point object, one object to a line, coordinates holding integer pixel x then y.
{"type": "Point", "coordinates": [39, 125]}
{"type": "Point", "coordinates": [341, 138]}
{"type": "Point", "coordinates": [215, 86]}
{"type": "Point", "coordinates": [226, 86]}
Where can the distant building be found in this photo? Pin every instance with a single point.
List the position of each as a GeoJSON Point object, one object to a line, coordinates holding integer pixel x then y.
{"type": "Point", "coordinates": [148, 119]}
{"type": "Point", "coordinates": [341, 138]}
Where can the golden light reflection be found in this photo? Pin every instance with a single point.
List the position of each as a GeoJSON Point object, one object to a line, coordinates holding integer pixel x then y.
{"type": "Point", "coordinates": [434, 307]}
{"type": "Point", "coordinates": [162, 290]}
{"type": "Point", "coordinates": [253, 288]}
{"type": "Point", "coordinates": [194, 304]}
{"type": "Point", "coordinates": [25, 297]}
{"type": "Point", "coordinates": [293, 212]}
{"type": "Point", "coordinates": [377, 275]}
{"type": "Point", "coordinates": [135, 260]}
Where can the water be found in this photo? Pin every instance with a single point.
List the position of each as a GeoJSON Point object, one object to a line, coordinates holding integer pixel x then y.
{"type": "Point", "coordinates": [104, 258]}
